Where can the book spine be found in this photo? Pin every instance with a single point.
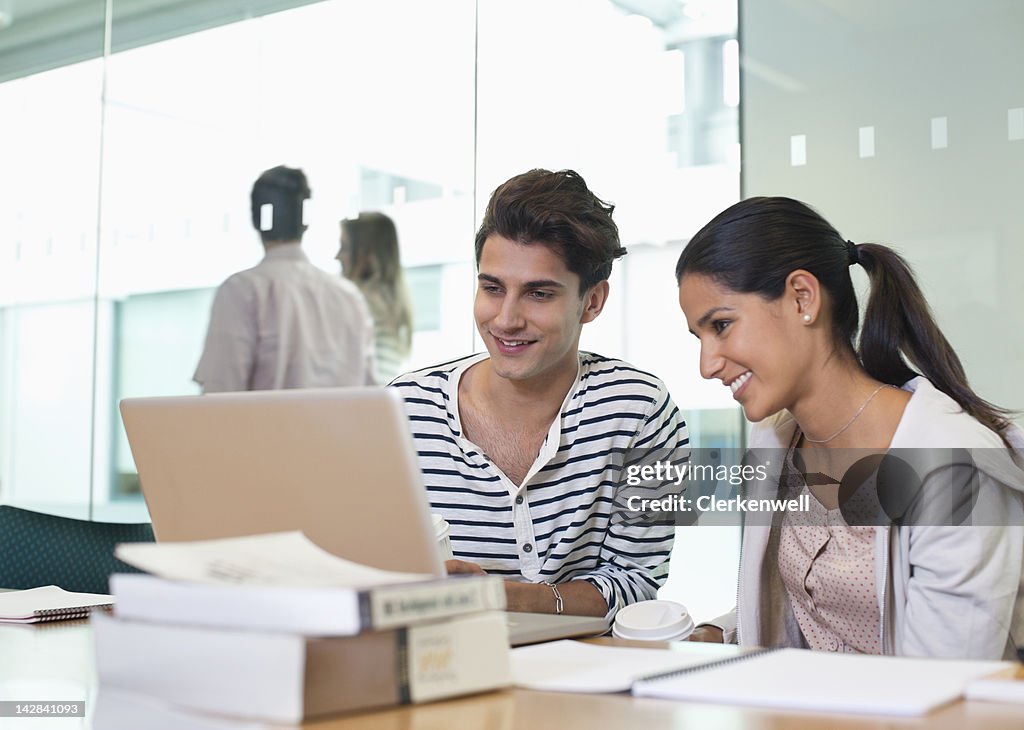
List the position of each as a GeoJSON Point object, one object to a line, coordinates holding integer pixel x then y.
{"type": "Point", "coordinates": [457, 657]}
{"type": "Point", "coordinates": [388, 607]}
{"type": "Point", "coordinates": [421, 663]}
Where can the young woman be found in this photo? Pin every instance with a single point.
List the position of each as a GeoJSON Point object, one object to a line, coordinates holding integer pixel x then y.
{"type": "Point", "coordinates": [369, 258]}
{"type": "Point", "coordinates": [766, 288]}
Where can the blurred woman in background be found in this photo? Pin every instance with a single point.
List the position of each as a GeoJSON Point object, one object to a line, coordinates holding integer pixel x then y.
{"type": "Point", "coordinates": [370, 259]}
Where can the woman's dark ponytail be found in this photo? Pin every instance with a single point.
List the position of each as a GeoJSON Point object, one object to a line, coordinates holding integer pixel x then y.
{"type": "Point", "coordinates": [898, 321]}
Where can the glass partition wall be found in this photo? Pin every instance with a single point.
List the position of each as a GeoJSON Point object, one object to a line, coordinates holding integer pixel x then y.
{"type": "Point", "coordinates": [903, 123]}
{"type": "Point", "coordinates": [50, 324]}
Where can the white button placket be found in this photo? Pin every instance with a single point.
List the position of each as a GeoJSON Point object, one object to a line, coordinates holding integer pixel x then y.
{"type": "Point", "coordinates": [526, 544]}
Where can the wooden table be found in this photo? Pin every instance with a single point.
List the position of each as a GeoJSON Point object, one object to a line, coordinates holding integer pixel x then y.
{"type": "Point", "coordinates": [55, 662]}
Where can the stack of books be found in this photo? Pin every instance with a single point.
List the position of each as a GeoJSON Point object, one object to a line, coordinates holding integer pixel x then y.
{"type": "Point", "coordinates": [272, 629]}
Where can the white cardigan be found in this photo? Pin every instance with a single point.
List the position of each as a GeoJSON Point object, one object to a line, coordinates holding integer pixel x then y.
{"type": "Point", "coordinates": [949, 591]}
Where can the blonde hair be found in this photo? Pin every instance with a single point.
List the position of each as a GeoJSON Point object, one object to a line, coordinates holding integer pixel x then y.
{"type": "Point", "coordinates": [376, 268]}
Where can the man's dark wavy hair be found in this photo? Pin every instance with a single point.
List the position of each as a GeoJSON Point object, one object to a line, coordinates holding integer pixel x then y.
{"type": "Point", "coordinates": [557, 210]}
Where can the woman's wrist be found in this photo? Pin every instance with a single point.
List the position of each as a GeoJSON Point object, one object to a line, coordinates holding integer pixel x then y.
{"type": "Point", "coordinates": [708, 634]}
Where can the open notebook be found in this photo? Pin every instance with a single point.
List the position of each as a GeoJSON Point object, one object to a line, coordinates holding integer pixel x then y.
{"type": "Point", "coordinates": [575, 666]}
{"type": "Point", "coordinates": [798, 679]}
{"type": "Point", "coordinates": [49, 603]}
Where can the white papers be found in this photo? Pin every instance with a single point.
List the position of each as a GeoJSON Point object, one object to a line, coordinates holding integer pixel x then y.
{"type": "Point", "coordinates": [281, 559]}
{"type": "Point", "coordinates": [572, 666]}
{"type": "Point", "coordinates": [799, 679]}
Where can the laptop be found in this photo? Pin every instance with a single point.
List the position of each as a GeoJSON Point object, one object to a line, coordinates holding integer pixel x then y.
{"type": "Point", "coordinates": [339, 464]}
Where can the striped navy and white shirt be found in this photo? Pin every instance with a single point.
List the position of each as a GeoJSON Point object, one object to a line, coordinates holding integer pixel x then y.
{"type": "Point", "coordinates": [557, 526]}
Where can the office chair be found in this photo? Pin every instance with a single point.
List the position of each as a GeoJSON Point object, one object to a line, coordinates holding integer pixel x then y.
{"type": "Point", "coordinates": [38, 549]}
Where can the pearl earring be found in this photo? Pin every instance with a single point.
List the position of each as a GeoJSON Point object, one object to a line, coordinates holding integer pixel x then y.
{"type": "Point", "coordinates": [807, 319]}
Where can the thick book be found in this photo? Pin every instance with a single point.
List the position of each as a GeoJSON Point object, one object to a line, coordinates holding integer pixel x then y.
{"type": "Point", "coordinates": [48, 603]}
{"type": "Point", "coordinates": [799, 679]}
{"type": "Point", "coordinates": [288, 678]}
{"type": "Point", "coordinates": [315, 611]}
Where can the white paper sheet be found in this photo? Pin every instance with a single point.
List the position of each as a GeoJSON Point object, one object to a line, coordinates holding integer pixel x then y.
{"type": "Point", "coordinates": [282, 559]}
{"type": "Point", "coordinates": [573, 666]}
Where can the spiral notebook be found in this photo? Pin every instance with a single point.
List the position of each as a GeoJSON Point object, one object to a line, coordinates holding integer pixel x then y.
{"type": "Point", "coordinates": [49, 603]}
{"type": "Point", "coordinates": [799, 679]}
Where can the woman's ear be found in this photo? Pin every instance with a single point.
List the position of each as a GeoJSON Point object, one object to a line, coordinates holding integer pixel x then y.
{"type": "Point", "coordinates": [803, 295]}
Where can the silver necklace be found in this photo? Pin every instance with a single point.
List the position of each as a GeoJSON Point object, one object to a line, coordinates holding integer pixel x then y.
{"type": "Point", "coordinates": [850, 422]}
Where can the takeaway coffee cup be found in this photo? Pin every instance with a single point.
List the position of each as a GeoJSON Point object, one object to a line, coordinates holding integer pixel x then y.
{"type": "Point", "coordinates": [443, 530]}
{"type": "Point", "coordinates": [653, 621]}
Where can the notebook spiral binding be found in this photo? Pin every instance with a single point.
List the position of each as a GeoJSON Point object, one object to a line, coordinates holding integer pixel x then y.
{"type": "Point", "coordinates": [710, 665]}
{"type": "Point", "coordinates": [60, 614]}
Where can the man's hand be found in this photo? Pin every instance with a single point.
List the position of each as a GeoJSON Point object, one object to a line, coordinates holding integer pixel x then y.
{"type": "Point", "coordinates": [462, 566]}
{"type": "Point", "coordinates": [710, 634]}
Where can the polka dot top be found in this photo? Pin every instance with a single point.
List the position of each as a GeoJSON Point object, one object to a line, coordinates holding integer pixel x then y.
{"type": "Point", "coordinates": [828, 570]}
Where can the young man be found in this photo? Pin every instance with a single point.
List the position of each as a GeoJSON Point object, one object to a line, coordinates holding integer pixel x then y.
{"type": "Point", "coordinates": [521, 447]}
{"type": "Point", "coordinates": [285, 323]}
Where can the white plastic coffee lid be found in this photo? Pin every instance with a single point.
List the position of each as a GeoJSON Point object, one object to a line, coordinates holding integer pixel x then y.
{"type": "Point", "coordinates": [656, 620]}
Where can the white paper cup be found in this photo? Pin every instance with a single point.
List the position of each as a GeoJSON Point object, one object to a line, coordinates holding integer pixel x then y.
{"type": "Point", "coordinates": [443, 531]}
{"type": "Point", "coordinates": [653, 621]}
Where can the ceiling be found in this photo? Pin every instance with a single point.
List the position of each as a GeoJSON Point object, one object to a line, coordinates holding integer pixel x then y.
{"type": "Point", "coordinates": [36, 35]}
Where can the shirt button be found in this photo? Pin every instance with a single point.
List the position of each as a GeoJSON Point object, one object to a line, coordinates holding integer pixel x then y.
{"type": "Point", "coordinates": [519, 499]}
{"type": "Point", "coordinates": [527, 548]}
